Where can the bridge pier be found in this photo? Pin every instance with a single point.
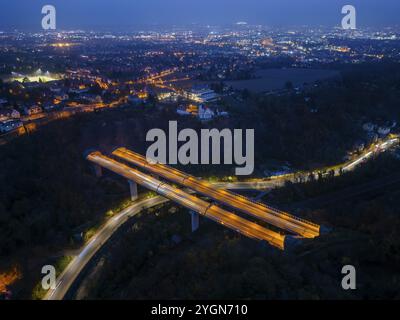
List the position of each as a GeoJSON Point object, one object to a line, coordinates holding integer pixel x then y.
{"type": "Point", "coordinates": [195, 220]}
{"type": "Point", "coordinates": [98, 171]}
{"type": "Point", "coordinates": [133, 190]}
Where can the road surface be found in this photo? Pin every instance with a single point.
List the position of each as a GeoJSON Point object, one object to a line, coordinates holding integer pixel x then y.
{"type": "Point", "coordinates": [258, 210]}
{"type": "Point", "coordinates": [209, 210]}
{"type": "Point", "coordinates": [71, 272]}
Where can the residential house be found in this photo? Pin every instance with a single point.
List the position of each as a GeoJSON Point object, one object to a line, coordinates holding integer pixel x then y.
{"type": "Point", "coordinates": [61, 97]}
{"type": "Point", "coordinates": [32, 110]}
{"type": "Point", "coordinates": [384, 131]}
{"type": "Point", "coordinates": [369, 127]}
{"type": "Point", "coordinates": [190, 110]}
{"type": "Point", "coordinates": [205, 113]}
{"type": "Point", "coordinates": [202, 95]}
{"type": "Point", "coordinates": [10, 125]}
{"type": "Point", "coordinates": [135, 100]}
{"type": "Point", "coordinates": [91, 98]}
{"type": "Point", "coordinates": [6, 114]}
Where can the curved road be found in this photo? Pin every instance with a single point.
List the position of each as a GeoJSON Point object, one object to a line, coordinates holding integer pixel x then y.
{"type": "Point", "coordinates": [71, 272]}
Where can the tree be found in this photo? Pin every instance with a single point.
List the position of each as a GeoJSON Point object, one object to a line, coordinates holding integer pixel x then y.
{"type": "Point", "coordinates": [8, 278]}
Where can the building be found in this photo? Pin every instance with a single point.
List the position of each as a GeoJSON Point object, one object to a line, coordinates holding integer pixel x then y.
{"type": "Point", "coordinates": [182, 111]}
{"type": "Point", "coordinates": [167, 95]}
{"type": "Point", "coordinates": [369, 127]}
{"type": "Point", "coordinates": [222, 113]}
{"type": "Point", "coordinates": [6, 114]}
{"type": "Point", "coordinates": [56, 90]}
{"type": "Point", "coordinates": [383, 131]}
{"type": "Point", "coordinates": [205, 113]}
{"type": "Point", "coordinates": [10, 125]}
{"type": "Point", "coordinates": [29, 111]}
{"type": "Point", "coordinates": [48, 107]}
{"type": "Point", "coordinates": [202, 95]}
{"type": "Point", "coordinates": [91, 98]}
{"type": "Point", "coordinates": [190, 110]}
{"type": "Point", "coordinates": [61, 97]}
{"type": "Point", "coordinates": [136, 100]}
{"type": "Point", "coordinates": [79, 90]}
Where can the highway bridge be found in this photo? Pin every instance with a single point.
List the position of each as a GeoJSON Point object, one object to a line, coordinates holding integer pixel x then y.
{"type": "Point", "coordinates": [166, 192]}
{"type": "Point", "coordinates": [88, 251]}
{"type": "Point", "coordinates": [277, 218]}
{"type": "Point", "coordinates": [193, 203]}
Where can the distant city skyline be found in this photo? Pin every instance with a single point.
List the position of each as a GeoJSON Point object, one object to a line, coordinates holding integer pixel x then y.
{"type": "Point", "coordinates": [26, 14]}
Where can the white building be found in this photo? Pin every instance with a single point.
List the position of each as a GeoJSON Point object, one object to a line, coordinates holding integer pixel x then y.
{"type": "Point", "coordinates": [10, 125]}
{"type": "Point", "coordinates": [205, 114]}
{"type": "Point", "coordinates": [202, 95]}
{"type": "Point", "coordinates": [135, 100]}
{"type": "Point", "coordinates": [32, 110]}
{"type": "Point", "coordinates": [6, 114]}
{"type": "Point", "coordinates": [183, 112]}
{"type": "Point", "coordinates": [369, 127]}
{"type": "Point", "coordinates": [61, 97]}
{"type": "Point", "coordinates": [384, 131]}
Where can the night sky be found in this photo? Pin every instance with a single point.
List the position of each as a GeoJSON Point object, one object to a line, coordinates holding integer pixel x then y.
{"type": "Point", "coordinates": [124, 13]}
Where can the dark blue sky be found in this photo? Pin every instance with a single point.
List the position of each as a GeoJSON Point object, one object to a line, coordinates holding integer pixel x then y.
{"type": "Point", "coordinates": [114, 13]}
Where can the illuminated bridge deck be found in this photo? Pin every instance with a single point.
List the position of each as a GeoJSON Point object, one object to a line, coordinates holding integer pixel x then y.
{"type": "Point", "coordinates": [213, 212]}
{"type": "Point", "coordinates": [277, 218]}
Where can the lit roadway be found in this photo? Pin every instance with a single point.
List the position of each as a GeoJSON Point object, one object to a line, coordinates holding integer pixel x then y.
{"type": "Point", "coordinates": [258, 210]}
{"type": "Point", "coordinates": [278, 181]}
{"type": "Point", "coordinates": [209, 210]}
{"type": "Point", "coordinates": [75, 267]}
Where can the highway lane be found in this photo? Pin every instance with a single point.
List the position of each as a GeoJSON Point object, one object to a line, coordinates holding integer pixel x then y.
{"type": "Point", "coordinates": [272, 216]}
{"type": "Point", "coordinates": [191, 202]}
{"type": "Point", "coordinates": [249, 185]}
{"type": "Point", "coordinates": [280, 180]}
{"type": "Point", "coordinates": [72, 271]}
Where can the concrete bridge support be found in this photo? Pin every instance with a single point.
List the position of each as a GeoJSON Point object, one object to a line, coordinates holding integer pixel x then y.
{"type": "Point", "coordinates": [98, 171]}
{"type": "Point", "coordinates": [195, 220]}
{"type": "Point", "coordinates": [133, 189]}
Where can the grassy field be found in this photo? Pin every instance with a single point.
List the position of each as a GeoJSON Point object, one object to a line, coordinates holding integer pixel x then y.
{"type": "Point", "coordinates": [275, 79]}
